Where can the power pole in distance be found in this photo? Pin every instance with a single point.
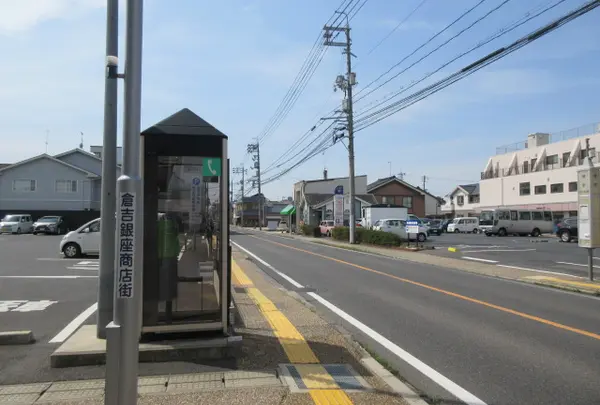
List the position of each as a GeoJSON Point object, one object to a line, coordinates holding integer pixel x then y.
{"type": "Point", "coordinates": [254, 150]}
{"type": "Point", "coordinates": [346, 84]}
{"type": "Point", "coordinates": [424, 182]}
{"type": "Point", "coordinates": [242, 171]}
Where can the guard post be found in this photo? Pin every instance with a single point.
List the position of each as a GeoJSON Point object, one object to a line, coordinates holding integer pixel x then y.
{"type": "Point", "coordinates": [186, 227]}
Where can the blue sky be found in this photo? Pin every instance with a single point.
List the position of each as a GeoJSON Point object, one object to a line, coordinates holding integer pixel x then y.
{"type": "Point", "coordinates": [232, 62]}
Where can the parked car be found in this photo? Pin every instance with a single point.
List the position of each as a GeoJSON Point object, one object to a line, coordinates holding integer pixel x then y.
{"type": "Point", "coordinates": [466, 224]}
{"type": "Point", "coordinates": [566, 229]}
{"type": "Point", "coordinates": [84, 240]}
{"type": "Point", "coordinates": [326, 227]}
{"type": "Point", "coordinates": [398, 226]}
{"type": "Point", "coordinates": [16, 223]}
{"type": "Point", "coordinates": [435, 227]}
{"type": "Point", "coordinates": [49, 225]}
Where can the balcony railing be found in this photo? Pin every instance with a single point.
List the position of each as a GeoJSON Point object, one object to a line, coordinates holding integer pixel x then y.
{"type": "Point", "coordinates": [561, 164]}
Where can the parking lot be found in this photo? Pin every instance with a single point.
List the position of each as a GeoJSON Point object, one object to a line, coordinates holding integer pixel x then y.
{"type": "Point", "coordinates": [42, 292]}
{"type": "Point", "coordinates": [543, 254]}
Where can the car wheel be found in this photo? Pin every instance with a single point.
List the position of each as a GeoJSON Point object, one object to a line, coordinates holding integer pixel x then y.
{"type": "Point", "coordinates": [421, 237]}
{"type": "Point", "coordinates": [34, 232]}
{"type": "Point", "coordinates": [475, 230]}
{"type": "Point", "coordinates": [535, 233]}
{"type": "Point", "coordinates": [18, 231]}
{"type": "Point", "coordinates": [502, 232]}
{"type": "Point", "coordinates": [456, 231]}
{"type": "Point", "coordinates": [488, 234]}
{"type": "Point", "coordinates": [72, 250]}
{"type": "Point", "coordinates": [565, 236]}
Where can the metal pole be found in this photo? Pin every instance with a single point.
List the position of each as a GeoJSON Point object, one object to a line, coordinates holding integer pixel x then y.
{"type": "Point", "coordinates": [260, 197]}
{"type": "Point", "coordinates": [242, 212]}
{"type": "Point", "coordinates": [350, 133]}
{"type": "Point", "coordinates": [591, 263]}
{"type": "Point", "coordinates": [106, 275]}
{"type": "Point", "coordinates": [129, 260]}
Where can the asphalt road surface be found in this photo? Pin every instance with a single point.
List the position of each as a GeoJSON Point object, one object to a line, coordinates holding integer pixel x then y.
{"type": "Point", "coordinates": [546, 254]}
{"type": "Point", "coordinates": [457, 336]}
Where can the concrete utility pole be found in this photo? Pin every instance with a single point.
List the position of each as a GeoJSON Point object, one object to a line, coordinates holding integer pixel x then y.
{"type": "Point", "coordinates": [108, 200]}
{"type": "Point", "coordinates": [242, 171]}
{"type": "Point", "coordinates": [254, 149]}
{"type": "Point", "coordinates": [123, 333]}
{"type": "Point", "coordinates": [346, 84]}
{"type": "Point", "coordinates": [424, 178]}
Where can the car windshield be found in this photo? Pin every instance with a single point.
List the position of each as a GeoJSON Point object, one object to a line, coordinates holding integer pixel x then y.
{"type": "Point", "coordinates": [48, 219]}
{"type": "Point", "coordinates": [435, 223]}
{"type": "Point", "coordinates": [11, 218]}
{"type": "Point", "coordinates": [486, 218]}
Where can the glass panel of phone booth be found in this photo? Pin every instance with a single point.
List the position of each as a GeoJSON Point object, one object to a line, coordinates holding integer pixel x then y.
{"type": "Point", "coordinates": [188, 241]}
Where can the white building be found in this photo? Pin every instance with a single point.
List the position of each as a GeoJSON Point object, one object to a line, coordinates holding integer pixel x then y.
{"type": "Point", "coordinates": [540, 173]}
{"type": "Point", "coordinates": [463, 201]}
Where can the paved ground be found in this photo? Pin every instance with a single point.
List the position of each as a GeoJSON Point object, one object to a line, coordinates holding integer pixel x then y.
{"type": "Point", "coordinates": [496, 340]}
{"type": "Point", "coordinates": [38, 292]}
{"type": "Point", "coordinates": [547, 254]}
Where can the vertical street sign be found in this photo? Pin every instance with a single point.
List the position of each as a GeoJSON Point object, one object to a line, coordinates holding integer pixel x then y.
{"type": "Point", "coordinates": [196, 201]}
{"type": "Point", "coordinates": [126, 245]}
{"type": "Point", "coordinates": [338, 206]}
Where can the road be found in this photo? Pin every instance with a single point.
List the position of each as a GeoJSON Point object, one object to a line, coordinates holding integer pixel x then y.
{"type": "Point", "coordinates": [457, 336]}
{"type": "Point", "coordinates": [546, 254]}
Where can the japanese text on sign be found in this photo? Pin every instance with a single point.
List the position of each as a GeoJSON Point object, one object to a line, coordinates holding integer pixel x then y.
{"type": "Point", "coordinates": [126, 245]}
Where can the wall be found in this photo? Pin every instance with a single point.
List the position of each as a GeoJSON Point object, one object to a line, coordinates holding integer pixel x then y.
{"type": "Point", "coordinates": [45, 172]}
{"type": "Point", "coordinates": [397, 190]}
{"type": "Point", "coordinates": [504, 191]}
{"type": "Point", "coordinates": [432, 205]}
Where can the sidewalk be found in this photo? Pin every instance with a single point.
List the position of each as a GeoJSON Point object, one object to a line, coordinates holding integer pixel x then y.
{"type": "Point", "coordinates": [574, 284]}
{"type": "Point", "coordinates": [289, 355]}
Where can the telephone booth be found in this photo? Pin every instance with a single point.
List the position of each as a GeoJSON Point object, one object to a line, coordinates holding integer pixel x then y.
{"type": "Point", "coordinates": [187, 255]}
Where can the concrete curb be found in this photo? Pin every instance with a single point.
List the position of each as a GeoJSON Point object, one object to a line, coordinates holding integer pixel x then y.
{"type": "Point", "coordinates": [19, 337]}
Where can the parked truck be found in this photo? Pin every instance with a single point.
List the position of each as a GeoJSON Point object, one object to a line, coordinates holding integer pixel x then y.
{"type": "Point", "coordinates": [374, 213]}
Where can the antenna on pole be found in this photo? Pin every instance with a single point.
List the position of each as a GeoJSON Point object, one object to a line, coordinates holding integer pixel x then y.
{"type": "Point", "coordinates": [81, 142]}
{"type": "Point", "coordinates": [47, 135]}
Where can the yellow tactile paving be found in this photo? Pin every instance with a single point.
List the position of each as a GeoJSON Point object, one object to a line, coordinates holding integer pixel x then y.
{"type": "Point", "coordinates": [594, 286]}
{"type": "Point", "coordinates": [322, 387]}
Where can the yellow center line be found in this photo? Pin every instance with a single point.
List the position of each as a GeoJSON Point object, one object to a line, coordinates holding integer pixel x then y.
{"type": "Point", "coordinates": [450, 293]}
{"type": "Point", "coordinates": [322, 387]}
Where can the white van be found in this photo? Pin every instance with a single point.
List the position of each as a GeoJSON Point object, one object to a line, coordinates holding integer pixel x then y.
{"type": "Point", "coordinates": [466, 224]}
{"type": "Point", "coordinates": [84, 240]}
{"type": "Point", "coordinates": [16, 223]}
{"type": "Point", "coordinates": [398, 226]}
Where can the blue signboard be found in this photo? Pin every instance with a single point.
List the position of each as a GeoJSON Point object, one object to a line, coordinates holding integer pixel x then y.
{"type": "Point", "coordinates": [339, 190]}
{"type": "Point", "coordinates": [412, 226]}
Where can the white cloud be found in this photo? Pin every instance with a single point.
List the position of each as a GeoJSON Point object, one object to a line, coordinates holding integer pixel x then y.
{"type": "Point", "coordinates": [23, 15]}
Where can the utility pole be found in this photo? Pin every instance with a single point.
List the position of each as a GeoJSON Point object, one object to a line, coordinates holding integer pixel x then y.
{"type": "Point", "coordinates": [123, 332]}
{"type": "Point", "coordinates": [108, 199]}
{"type": "Point", "coordinates": [424, 178]}
{"type": "Point", "coordinates": [254, 150]}
{"type": "Point", "coordinates": [242, 171]}
{"type": "Point", "coordinates": [346, 84]}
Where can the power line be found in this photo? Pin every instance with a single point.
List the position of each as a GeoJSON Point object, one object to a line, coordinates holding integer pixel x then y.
{"type": "Point", "coordinates": [447, 27]}
{"type": "Point", "coordinates": [306, 72]}
{"type": "Point", "coordinates": [399, 105]}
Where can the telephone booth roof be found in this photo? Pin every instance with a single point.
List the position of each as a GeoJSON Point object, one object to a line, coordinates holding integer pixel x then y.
{"type": "Point", "coordinates": [184, 122]}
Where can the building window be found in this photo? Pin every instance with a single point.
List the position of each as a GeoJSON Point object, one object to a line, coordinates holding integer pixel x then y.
{"type": "Point", "coordinates": [565, 159]}
{"type": "Point", "coordinates": [556, 188]}
{"type": "Point", "coordinates": [524, 215]}
{"type": "Point", "coordinates": [552, 161]}
{"type": "Point", "coordinates": [540, 189]}
{"type": "Point", "coordinates": [24, 186]}
{"type": "Point", "coordinates": [407, 202]}
{"type": "Point", "coordinates": [65, 186]}
{"type": "Point", "coordinates": [460, 200]}
{"type": "Point", "coordinates": [537, 215]}
{"type": "Point", "coordinates": [387, 199]}
{"type": "Point", "coordinates": [473, 199]}
{"type": "Point", "coordinates": [524, 189]}
{"type": "Point", "coordinates": [573, 186]}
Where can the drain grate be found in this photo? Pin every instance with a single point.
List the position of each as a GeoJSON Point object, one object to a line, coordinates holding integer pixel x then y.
{"type": "Point", "coordinates": [344, 376]}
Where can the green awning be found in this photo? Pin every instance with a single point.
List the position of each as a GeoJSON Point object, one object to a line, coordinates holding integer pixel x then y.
{"type": "Point", "coordinates": [289, 210]}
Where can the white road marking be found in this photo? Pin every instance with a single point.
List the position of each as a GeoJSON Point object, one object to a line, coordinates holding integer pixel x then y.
{"type": "Point", "coordinates": [479, 260]}
{"type": "Point", "coordinates": [50, 277]}
{"type": "Point", "coordinates": [24, 305]}
{"type": "Point", "coordinates": [576, 264]}
{"type": "Point", "coordinates": [426, 370]}
{"type": "Point", "coordinates": [286, 277]}
{"type": "Point", "coordinates": [83, 268]}
{"type": "Point", "coordinates": [74, 324]}
{"type": "Point", "coordinates": [181, 252]}
{"type": "Point", "coordinates": [53, 259]}
{"type": "Point", "coordinates": [498, 250]}
{"type": "Point", "coordinates": [537, 271]}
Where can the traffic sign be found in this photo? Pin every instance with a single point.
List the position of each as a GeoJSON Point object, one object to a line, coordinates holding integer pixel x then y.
{"type": "Point", "coordinates": [211, 167]}
{"type": "Point", "coordinates": [412, 227]}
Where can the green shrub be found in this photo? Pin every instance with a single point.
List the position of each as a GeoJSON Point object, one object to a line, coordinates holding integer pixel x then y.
{"type": "Point", "coordinates": [309, 230]}
{"type": "Point", "coordinates": [363, 235]}
{"type": "Point", "coordinates": [341, 233]}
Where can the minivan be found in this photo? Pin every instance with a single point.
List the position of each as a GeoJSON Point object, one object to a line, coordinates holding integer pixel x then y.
{"type": "Point", "coordinates": [16, 223]}
{"type": "Point", "coordinates": [467, 224]}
